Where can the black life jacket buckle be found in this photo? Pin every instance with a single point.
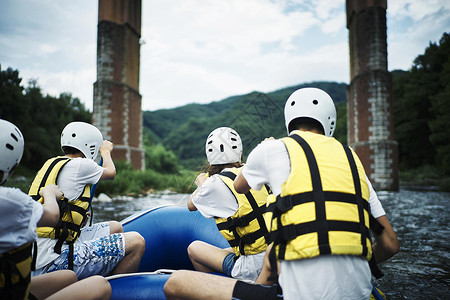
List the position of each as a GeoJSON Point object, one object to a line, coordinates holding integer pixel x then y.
{"type": "Point", "coordinates": [238, 222]}
{"type": "Point", "coordinates": [284, 203]}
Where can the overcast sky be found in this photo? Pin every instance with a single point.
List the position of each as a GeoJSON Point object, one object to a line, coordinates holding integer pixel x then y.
{"type": "Point", "coordinates": [206, 50]}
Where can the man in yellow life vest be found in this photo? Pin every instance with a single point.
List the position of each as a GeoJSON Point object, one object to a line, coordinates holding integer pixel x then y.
{"type": "Point", "coordinates": [321, 206]}
{"type": "Point", "coordinates": [19, 216]}
{"type": "Point", "coordinates": [240, 218]}
{"type": "Point", "coordinates": [101, 249]}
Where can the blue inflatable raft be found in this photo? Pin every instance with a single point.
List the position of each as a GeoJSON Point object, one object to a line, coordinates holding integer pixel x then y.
{"type": "Point", "coordinates": [168, 231]}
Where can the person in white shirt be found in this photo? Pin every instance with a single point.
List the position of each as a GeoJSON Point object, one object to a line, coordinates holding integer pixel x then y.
{"type": "Point", "coordinates": [19, 217]}
{"type": "Point", "coordinates": [101, 249]}
{"type": "Point", "coordinates": [240, 218]}
{"type": "Point", "coordinates": [320, 222]}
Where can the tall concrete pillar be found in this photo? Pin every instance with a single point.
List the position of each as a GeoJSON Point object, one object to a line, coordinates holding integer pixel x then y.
{"type": "Point", "coordinates": [369, 96]}
{"type": "Point", "coordinates": [117, 102]}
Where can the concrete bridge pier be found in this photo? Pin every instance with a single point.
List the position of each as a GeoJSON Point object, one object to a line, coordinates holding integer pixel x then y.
{"type": "Point", "coordinates": [117, 102]}
{"type": "Point", "coordinates": [369, 96]}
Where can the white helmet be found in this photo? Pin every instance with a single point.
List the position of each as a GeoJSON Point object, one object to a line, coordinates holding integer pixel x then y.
{"type": "Point", "coordinates": [311, 103]}
{"type": "Point", "coordinates": [223, 146]}
{"type": "Point", "coordinates": [84, 137]}
{"type": "Point", "coordinates": [11, 148]}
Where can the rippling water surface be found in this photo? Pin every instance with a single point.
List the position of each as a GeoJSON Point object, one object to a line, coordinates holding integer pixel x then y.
{"type": "Point", "coordinates": [421, 269]}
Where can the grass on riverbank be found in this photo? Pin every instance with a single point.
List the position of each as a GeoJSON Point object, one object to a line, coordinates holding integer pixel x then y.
{"type": "Point", "coordinates": [425, 176]}
{"type": "Point", "coordinates": [128, 181]}
{"type": "Point", "coordinates": [134, 183]}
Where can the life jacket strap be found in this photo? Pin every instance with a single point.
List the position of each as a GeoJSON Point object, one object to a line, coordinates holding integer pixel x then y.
{"type": "Point", "coordinates": [70, 257]}
{"type": "Point", "coordinates": [34, 256]}
{"type": "Point", "coordinates": [376, 272]}
{"type": "Point", "coordinates": [375, 226]}
{"type": "Point", "coordinates": [273, 264]}
{"type": "Point", "coordinates": [243, 221]}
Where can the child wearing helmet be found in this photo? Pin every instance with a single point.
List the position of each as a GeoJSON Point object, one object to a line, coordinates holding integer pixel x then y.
{"type": "Point", "coordinates": [321, 204]}
{"type": "Point", "coordinates": [102, 248]}
{"type": "Point", "coordinates": [238, 217]}
{"type": "Point", "coordinates": [19, 217]}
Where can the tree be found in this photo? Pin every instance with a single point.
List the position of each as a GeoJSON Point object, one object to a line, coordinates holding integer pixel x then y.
{"type": "Point", "coordinates": [440, 107]}
{"type": "Point", "coordinates": [40, 118]}
{"type": "Point", "coordinates": [12, 106]}
{"type": "Point", "coordinates": [421, 109]}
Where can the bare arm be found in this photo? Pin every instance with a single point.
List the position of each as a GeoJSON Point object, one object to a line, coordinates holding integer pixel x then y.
{"type": "Point", "coordinates": [51, 194]}
{"type": "Point", "coordinates": [240, 184]}
{"type": "Point", "coordinates": [190, 204]}
{"type": "Point", "coordinates": [386, 244]}
{"type": "Point", "coordinates": [109, 169]}
{"type": "Point", "coordinates": [198, 182]}
{"type": "Point", "coordinates": [263, 277]}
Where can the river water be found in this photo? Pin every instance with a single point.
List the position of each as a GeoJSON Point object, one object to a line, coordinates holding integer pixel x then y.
{"type": "Point", "coordinates": [420, 217]}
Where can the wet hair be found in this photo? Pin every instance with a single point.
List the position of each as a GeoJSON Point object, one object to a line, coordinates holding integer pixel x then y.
{"type": "Point", "coordinates": [71, 150]}
{"type": "Point", "coordinates": [305, 123]}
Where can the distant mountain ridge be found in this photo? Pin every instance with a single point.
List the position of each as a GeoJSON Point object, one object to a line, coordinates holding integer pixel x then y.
{"type": "Point", "coordinates": [254, 115]}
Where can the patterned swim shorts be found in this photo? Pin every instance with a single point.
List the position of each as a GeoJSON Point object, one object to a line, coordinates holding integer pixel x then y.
{"type": "Point", "coordinates": [91, 257]}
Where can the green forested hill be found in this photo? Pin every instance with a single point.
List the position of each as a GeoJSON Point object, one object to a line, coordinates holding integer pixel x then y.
{"type": "Point", "coordinates": [255, 116]}
{"type": "Point", "coordinates": [421, 110]}
{"type": "Point", "coordinates": [162, 122]}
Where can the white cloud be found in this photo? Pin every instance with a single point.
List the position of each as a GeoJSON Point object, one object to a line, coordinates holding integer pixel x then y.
{"type": "Point", "coordinates": [335, 24]}
{"type": "Point", "coordinates": [204, 50]}
{"type": "Point", "coordinates": [224, 43]}
{"type": "Point", "coordinates": [53, 42]}
{"type": "Point", "coordinates": [325, 9]}
{"type": "Point", "coordinates": [412, 25]}
{"type": "Point", "coordinates": [416, 10]}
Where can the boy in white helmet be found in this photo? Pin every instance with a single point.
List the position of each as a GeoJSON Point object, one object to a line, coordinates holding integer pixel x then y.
{"type": "Point", "coordinates": [19, 216]}
{"type": "Point", "coordinates": [102, 248]}
{"type": "Point", "coordinates": [239, 217]}
{"type": "Point", "coordinates": [321, 205]}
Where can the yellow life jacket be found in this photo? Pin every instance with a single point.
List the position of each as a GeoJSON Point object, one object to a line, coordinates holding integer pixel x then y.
{"type": "Point", "coordinates": [323, 207]}
{"type": "Point", "coordinates": [15, 269]}
{"type": "Point", "coordinates": [245, 230]}
{"type": "Point", "coordinates": [72, 213]}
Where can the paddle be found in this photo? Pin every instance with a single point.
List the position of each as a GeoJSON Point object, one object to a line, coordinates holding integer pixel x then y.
{"type": "Point", "coordinates": [376, 293]}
